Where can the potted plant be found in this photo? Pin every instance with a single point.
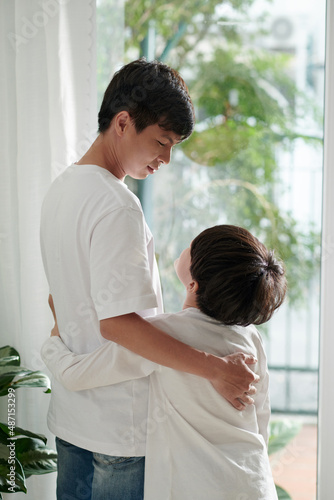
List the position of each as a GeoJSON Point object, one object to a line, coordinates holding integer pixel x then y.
{"type": "Point", "coordinates": [22, 452]}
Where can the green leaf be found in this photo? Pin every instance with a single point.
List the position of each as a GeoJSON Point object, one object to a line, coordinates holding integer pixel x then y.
{"type": "Point", "coordinates": [27, 378]}
{"type": "Point", "coordinates": [7, 375]}
{"type": "Point", "coordinates": [34, 457]}
{"type": "Point", "coordinates": [282, 494]}
{"type": "Point", "coordinates": [6, 470]}
{"type": "Point", "coordinates": [10, 360]}
{"type": "Point", "coordinates": [13, 371]}
{"type": "Point", "coordinates": [9, 356]}
{"type": "Point", "coordinates": [281, 432]}
{"type": "Point", "coordinates": [4, 450]}
{"type": "Point", "coordinates": [217, 144]}
{"type": "Point", "coordinates": [3, 434]}
{"type": "Point", "coordinates": [18, 431]}
{"type": "Point", "coordinates": [31, 454]}
{"type": "Point", "coordinates": [33, 379]}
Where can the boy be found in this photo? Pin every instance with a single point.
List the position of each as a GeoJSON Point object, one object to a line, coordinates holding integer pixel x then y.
{"type": "Point", "coordinates": [98, 255]}
{"type": "Point", "coordinates": [199, 446]}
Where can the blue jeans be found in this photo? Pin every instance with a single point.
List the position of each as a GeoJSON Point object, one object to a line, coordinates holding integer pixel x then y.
{"type": "Point", "coordinates": [83, 475]}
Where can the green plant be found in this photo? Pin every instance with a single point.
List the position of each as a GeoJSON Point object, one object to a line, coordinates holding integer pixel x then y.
{"type": "Point", "coordinates": [281, 432]}
{"type": "Point", "coordinates": [22, 453]}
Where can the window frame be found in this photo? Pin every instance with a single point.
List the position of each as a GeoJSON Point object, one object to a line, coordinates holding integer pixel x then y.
{"type": "Point", "coordinates": [326, 403]}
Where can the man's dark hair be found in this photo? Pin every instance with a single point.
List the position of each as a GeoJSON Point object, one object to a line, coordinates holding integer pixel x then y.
{"type": "Point", "coordinates": [151, 92]}
{"type": "Point", "coordinates": [240, 281]}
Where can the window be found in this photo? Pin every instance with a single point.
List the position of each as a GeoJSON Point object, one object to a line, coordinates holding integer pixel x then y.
{"type": "Point", "coordinates": [255, 71]}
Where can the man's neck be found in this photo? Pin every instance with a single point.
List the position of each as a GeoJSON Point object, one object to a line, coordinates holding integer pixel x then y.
{"type": "Point", "coordinates": [102, 154]}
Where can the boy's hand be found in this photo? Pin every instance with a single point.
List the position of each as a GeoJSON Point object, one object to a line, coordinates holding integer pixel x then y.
{"type": "Point", "coordinates": [236, 384]}
{"type": "Point", "coordinates": [55, 329]}
{"type": "Point", "coordinates": [52, 307]}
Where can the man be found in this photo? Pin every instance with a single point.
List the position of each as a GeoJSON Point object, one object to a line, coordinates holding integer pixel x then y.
{"type": "Point", "coordinates": [98, 255]}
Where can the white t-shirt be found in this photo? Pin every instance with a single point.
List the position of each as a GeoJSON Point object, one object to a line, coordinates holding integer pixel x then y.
{"type": "Point", "coordinates": [98, 255]}
{"type": "Point", "coordinates": [198, 445]}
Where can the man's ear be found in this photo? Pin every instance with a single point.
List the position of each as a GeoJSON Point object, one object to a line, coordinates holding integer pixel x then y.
{"type": "Point", "coordinates": [192, 287]}
{"type": "Point", "coordinates": [122, 121]}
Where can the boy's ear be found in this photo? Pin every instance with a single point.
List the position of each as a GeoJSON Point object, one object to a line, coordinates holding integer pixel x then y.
{"type": "Point", "coordinates": [192, 287]}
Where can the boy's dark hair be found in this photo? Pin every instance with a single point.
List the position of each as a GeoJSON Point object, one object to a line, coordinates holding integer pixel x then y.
{"type": "Point", "coordinates": [151, 92]}
{"type": "Point", "coordinates": [240, 281]}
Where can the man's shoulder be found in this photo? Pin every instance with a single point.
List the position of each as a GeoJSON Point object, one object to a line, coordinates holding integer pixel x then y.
{"type": "Point", "coordinates": [91, 186]}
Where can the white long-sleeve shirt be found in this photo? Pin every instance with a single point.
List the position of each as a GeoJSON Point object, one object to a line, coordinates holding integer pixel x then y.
{"type": "Point", "coordinates": [197, 445]}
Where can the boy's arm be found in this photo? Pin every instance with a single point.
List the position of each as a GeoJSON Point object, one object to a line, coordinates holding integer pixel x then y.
{"type": "Point", "coordinates": [109, 364]}
{"type": "Point", "coordinates": [230, 376]}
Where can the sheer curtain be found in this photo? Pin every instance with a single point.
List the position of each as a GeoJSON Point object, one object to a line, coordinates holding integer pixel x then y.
{"type": "Point", "coordinates": [48, 119]}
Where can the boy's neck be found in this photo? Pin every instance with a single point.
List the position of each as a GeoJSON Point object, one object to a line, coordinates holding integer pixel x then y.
{"type": "Point", "coordinates": [190, 301]}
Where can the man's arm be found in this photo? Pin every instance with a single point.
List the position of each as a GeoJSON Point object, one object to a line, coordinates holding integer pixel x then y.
{"type": "Point", "coordinates": [230, 376]}
{"type": "Point", "coordinates": [133, 291]}
{"type": "Point", "coordinates": [109, 364]}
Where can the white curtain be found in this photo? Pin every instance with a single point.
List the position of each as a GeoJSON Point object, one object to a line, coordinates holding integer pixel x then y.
{"type": "Point", "coordinates": [48, 119]}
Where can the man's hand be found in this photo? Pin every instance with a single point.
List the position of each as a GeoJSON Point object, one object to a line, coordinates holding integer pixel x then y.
{"type": "Point", "coordinates": [230, 376]}
{"type": "Point", "coordinates": [234, 379]}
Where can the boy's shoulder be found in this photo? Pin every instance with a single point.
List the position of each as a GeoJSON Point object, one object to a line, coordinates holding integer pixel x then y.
{"type": "Point", "coordinates": [195, 328]}
{"type": "Point", "coordinates": [194, 315]}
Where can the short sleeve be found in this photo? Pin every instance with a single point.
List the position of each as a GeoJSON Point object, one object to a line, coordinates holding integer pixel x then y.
{"type": "Point", "coordinates": [121, 280]}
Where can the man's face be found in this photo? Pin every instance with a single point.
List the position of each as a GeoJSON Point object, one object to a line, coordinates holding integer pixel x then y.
{"type": "Point", "coordinates": [144, 153]}
{"type": "Point", "coordinates": [182, 267]}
